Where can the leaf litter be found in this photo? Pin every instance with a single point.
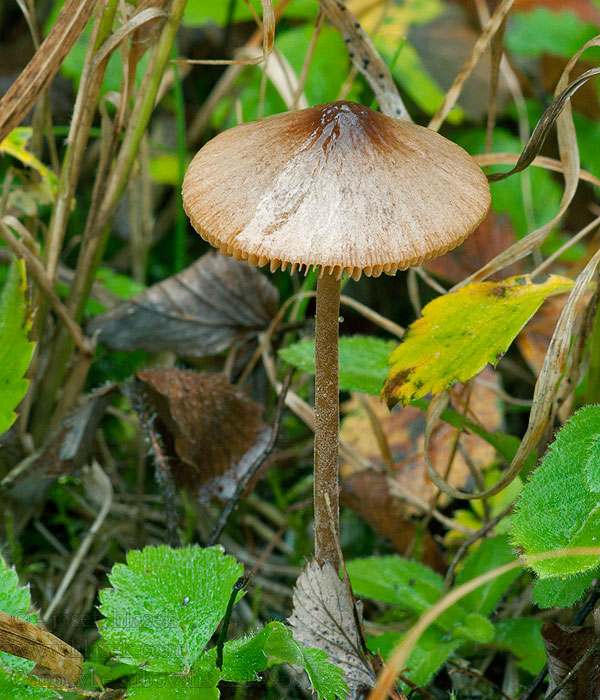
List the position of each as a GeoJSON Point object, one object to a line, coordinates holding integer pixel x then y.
{"type": "Point", "coordinates": [198, 312]}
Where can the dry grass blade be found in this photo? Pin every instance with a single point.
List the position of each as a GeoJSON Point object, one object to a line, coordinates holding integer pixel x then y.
{"type": "Point", "coordinates": [543, 397]}
{"type": "Point", "coordinates": [484, 159]}
{"type": "Point", "coordinates": [21, 638]}
{"type": "Point", "coordinates": [494, 25]}
{"type": "Point", "coordinates": [45, 63]}
{"type": "Point", "coordinates": [134, 24]}
{"type": "Point", "coordinates": [569, 156]}
{"type": "Point", "coordinates": [365, 58]}
{"type": "Point", "coordinates": [536, 141]}
{"type": "Point", "coordinates": [268, 39]}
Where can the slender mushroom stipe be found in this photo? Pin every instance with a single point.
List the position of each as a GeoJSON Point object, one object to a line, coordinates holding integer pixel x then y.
{"type": "Point", "coordinates": [345, 189]}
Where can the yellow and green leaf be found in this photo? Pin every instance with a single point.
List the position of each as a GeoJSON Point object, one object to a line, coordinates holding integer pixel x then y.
{"type": "Point", "coordinates": [16, 349]}
{"type": "Point", "coordinates": [459, 333]}
{"type": "Point", "coordinates": [15, 145]}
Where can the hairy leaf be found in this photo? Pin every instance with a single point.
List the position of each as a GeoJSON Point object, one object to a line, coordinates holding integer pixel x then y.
{"type": "Point", "coordinates": [165, 605]}
{"type": "Point", "coordinates": [324, 618]}
{"type": "Point", "coordinates": [198, 312]}
{"type": "Point", "coordinates": [563, 592]}
{"type": "Point", "coordinates": [15, 348]}
{"type": "Point", "coordinates": [557, 509]}
{"type": "Point", "coordinates": [460, 333]}
{"type": "Point", "coordinates": [363, 361]}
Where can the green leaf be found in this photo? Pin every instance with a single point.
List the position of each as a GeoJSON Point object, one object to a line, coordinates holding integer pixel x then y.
{"type": "Point", "coordinates": [490, 554]}
{"type": "Point", "coordinates": [195, 686]}
{"type": "Point", "coordinates": [543, 31]}
{"type": "Point", "coordinates": [475, 627]}
{"type": "Point", "coordinates": [395, 580]}
{"type": "Point", "coordinates": [557, 509]}
{"type": "Point", "coordinates": [201, 12]}
{"type": "Point", "coordinates": [14, 601]}
{"type": "Point", "coordinates": [329, 66]}
{"type": "Point", "coordinates": [592, 464]}
{"type": "Point", "coordinates": [363, 361]}
{"type": "Point", "coordinates": [16, 350]}
{"type": "Point", "coordinates": [327, 680]}
{"type": "Point", "coordinates": [16, 685]}
{"type": "Point", "coordinates": [426, 658]}
{"type": "Point", "coordinates": [15, 145]}
{"type": "Point", "coordinates": [243, 659]}
{"type": "Point", "coordinates": [562, 592]}
{"type": "Point", "coordinates": [165, 605]}
{"type": "Point", "coordinates": [459, 333]}
{"type": "Point", "coordinates": [523, 638]}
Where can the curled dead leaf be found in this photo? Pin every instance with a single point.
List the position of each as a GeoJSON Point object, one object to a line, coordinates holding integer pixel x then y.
{"type": "Point", "coordinates": [213, 430]}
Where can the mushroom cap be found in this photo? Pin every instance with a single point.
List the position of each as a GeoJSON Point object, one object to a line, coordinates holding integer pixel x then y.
{"type": "Point", "coordinates": [337, 185]}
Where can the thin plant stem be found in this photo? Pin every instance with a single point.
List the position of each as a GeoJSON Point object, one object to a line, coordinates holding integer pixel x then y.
{"type": "Point", "coordinates": [97, 229]}
{"type": "Point", "coordinates": [327, 420]}
{"type": "Point", "coordinates": [180, 217]}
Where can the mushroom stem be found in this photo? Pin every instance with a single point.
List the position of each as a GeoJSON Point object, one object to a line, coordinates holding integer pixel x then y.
{"type": "Point", "coordinates": [327, 423]}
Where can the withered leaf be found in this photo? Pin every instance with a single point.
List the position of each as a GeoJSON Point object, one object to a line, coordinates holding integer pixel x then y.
{"type": "Point", "coordinates": [565, 646]}
{"type": "Point", "coordinates": [198, 312]}
{"type": "Point", "coordinates": [324, 618]}
{"type": "Point", "coordinates": [367, 493]}
{"type": "Point", "coordinates": [215, 430]}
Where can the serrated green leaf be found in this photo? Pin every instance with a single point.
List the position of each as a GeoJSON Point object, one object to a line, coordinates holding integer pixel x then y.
{"type": "Point", "coordinates": [14, 601]}
{"type": "Point", "coordinates": [195, 686]}
{"type": "Point", "coordinates": [459, 333]}
{"type": "Point", "coordinates": [426, 658]}
{"type": "Point", "coordinates": [165, 605]}
{"type": "Point", "coordinates": [523, 638]}
{"type": "Point", "coordinates": [244, 659]}
{"type": "Point", "coordinates": [490, 554]}
{"type": "Point", "coordinates": [557, 509]}
{"type": "Point", "coordinates": [363, 361]}
{"type": "Point", "coordinates": [16, 350]}
{"type": "Point", "coordinates": [327, 680]}
{"type": "Point", "coordinates": [562, 592]}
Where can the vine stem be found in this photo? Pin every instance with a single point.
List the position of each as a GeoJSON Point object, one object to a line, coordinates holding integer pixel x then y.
{"type": "Point", "coordinates": [327, 421]}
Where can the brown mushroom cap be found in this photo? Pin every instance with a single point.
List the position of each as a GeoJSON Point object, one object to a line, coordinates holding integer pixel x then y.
{"type": "Point", "coordinates": [337, 185]}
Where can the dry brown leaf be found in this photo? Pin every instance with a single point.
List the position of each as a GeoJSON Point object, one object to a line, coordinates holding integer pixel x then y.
{"type": "Point", "coordinates": [22, 638]}
{"type": "Point", "coordinates": [324, 617]}
{"type": "Point", "coordinates": [367, 493]}
{"type": "Point", "coordinates": [565, 646]}
{"type": "Point", "coordinates": [199, 312]}
{"type": "Point", "coordinates": [404, 431]}
{"type": "Point", "coordinates": [214, 430]}
{"type": "Point", "coordinates": [494, 235]}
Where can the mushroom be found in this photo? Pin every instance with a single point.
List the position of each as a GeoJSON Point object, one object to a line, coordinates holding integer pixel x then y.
{"type": "Point", "coordinates": [345, 189]}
